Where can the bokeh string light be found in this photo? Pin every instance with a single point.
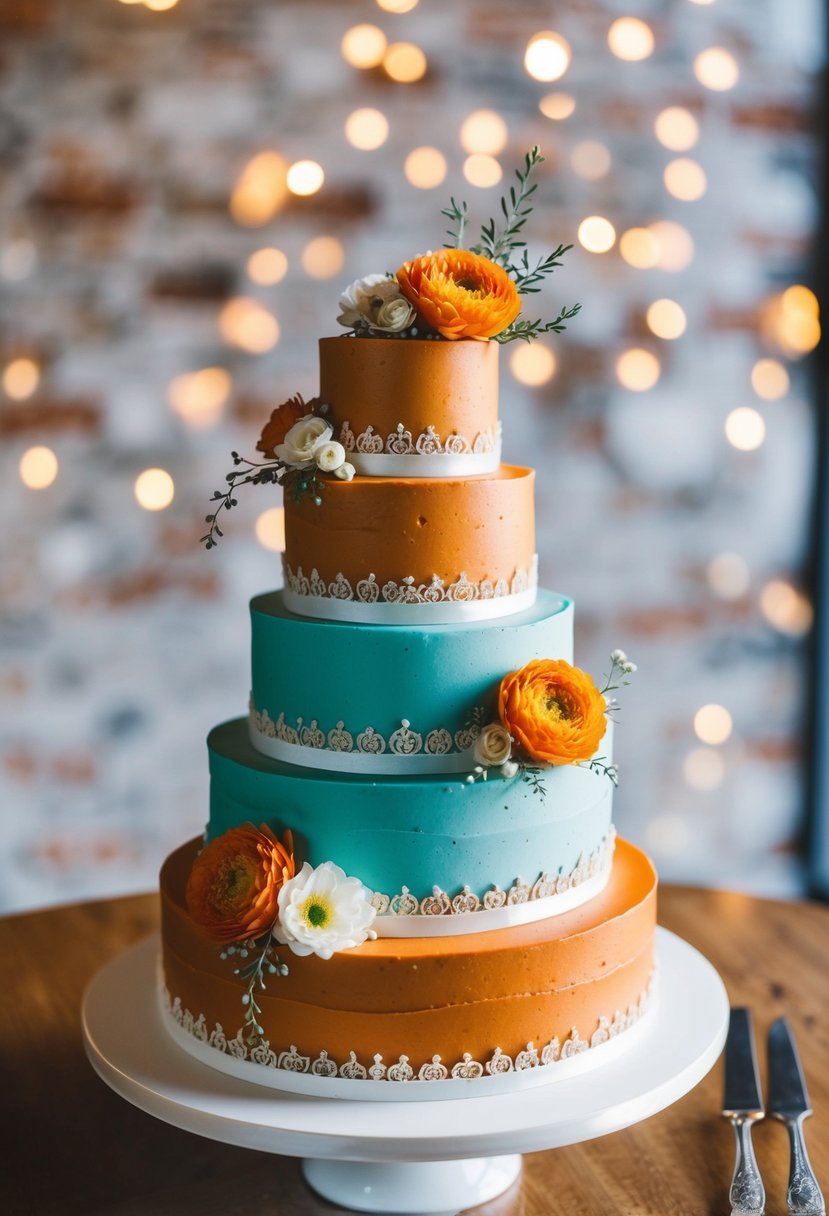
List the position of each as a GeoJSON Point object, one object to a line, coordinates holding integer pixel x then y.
{"type": "Point", "coordinates": [154, 489]}
{"type": "Point", "coordinates": [729, 576]}
{"type": "Point", "coordinates": [367, 129]}
{"type": "Point", "coordinates": [639, 247]}
{"type": "Point", "coordinates": [270, 529]}
{"type": "Point", "coordinates": [267, 266]}
{"type": "Point", "coordinates": [548, 56]}
{"type": "Point", "coordinates": [713, 724]}
{"type": "Point", "coordinates": [484, 131]}
{"type": "Point", "coordinates": [405, 63]}
{"type": "Point", "coordinates": [638, 369]}
{"type": "Point", "coordinates": [557, 106]}
{"type": "Point", "coordinates": [20, 378]}
{"type": "Point", "coordinates": [38, 467]}
{"type": "Point", "coordinates": [716, 69]}
{"type": "Point", "coordinates": [769, 379]}
{"type": "Point", "coordinates": [786, 609]}
{"type": "Point", "coordinates": [631, 39]}
{"type": "Point", "coordinates": [482, 170]}
{"type": "Point", "coordinates": [666, 319]}
{"type": "Point", "coordinates": [246, 323]}
{"type": "Point", "coordinates": [323, 257]}
{"type": "Point", "coordinates": [596, 234]}
{"type": "Point", "coordinates": [363, 46]}
{"type": "Point", "coordinates": [685, 179]}
{"type": "Point", "coordinates": [199, 397]}
{"type": "Point", "coordinates": [676, 129]}
{"type": "Point", "coordinates": [532, 365]}
{"type": "Point", "coordinates": [590, 160]}
{"type": "Point", "coordinates": [260, 190]}
{"type": "Point", "coordinates": [745, 429]}
{"type": "Point", "coordinates": [425, 168]}
{"type": "Point", "coordinates": [305, 177]}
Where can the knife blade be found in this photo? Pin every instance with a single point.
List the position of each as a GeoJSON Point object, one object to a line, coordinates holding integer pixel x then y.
{"type": "Point", "coordinates": [743, 1106]}
{"type": "Point", "coordinates": [789, 1102]}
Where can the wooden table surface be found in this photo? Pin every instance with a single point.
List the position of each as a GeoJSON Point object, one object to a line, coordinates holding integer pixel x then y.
{"type": "Point", "coordinates": [71, 1145]}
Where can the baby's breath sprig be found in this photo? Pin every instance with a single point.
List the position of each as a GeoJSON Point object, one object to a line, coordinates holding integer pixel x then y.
{"type": "Point", "coordinates": [251, 472]}
{"type": "Point", "coordinates": [264, 962]}
{"type": "Point", "coordinates": [620, 666]}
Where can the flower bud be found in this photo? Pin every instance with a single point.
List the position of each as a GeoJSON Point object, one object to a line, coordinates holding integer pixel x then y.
{"type": "Point", "coordinates": [345, 472]}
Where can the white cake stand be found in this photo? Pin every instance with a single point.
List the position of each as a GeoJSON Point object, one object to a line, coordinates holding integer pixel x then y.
{"type": "Point", "coordinates": [407, 1157]}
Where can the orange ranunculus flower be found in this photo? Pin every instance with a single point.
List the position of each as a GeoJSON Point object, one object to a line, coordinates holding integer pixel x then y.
{"type": "Point", "coordinates": [235, 882]}
{"type": "Point", "coordinates": [460, 294]}
{"type": "Point", "coordinates": [553, 711]}
{"type": "Point", "coordinates": [281, 421]}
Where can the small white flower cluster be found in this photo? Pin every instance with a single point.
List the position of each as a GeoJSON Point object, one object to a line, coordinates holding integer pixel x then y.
{"type": "Point", "coordinates": [620, 659]}
{"type": "Point", "coordinates": [308, 444]}
{"type": "Point", "coordinates": [493, 749]}
{"type": "Point", "coordinates": [323, 911]}
{"type": "Point", "coordinates": [376, 303]}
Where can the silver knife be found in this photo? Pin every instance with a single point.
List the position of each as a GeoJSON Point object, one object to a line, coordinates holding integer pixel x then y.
{"type": "Point", "coordinates": [743, 1105]}
{"type": "Point", "coordinates": [789, 1102]}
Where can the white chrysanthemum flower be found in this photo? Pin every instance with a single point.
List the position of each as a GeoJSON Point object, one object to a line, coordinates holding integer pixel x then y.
{"type": "Point", "coordinates": [323, 911]}
{"type": "Point", "coordinates": [302, 441]}
{"type": "Point", "coordinates": [493, 745]}
{"type": "Point", "coordinates": [329, 456]}
{"type": "Point", "coordinates": [345, 471]}
{"type": "Point", "coordinates": [377, 303]}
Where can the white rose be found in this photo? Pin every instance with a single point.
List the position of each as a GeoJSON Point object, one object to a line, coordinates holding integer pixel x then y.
{"type": "Point", "coordinates": [394, 314]}
{"type": "Point", "coordinates": [329, 456]}
{"type": "Point", "coordinates": [302, 441]}
{"type": "Point", "coordinates": [345, 472]}
{"type": "Point", "coordinates": [355, 300]}
{"type": "Point", "coordinates": [322, 911]}
{"type": "Point", "coordinates": [493, 745]}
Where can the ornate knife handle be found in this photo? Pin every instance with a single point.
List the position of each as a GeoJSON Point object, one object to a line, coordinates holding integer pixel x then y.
{"type": "Point", "coordinates": [803, 1196]}
{"type": "Point", "coordinates": [747, 1194]}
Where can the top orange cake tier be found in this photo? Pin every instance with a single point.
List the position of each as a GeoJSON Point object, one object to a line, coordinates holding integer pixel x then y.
{"type": "Point", "coordinates": [409, 407]}
{"type": "Point", "coordinates": [396, 550]}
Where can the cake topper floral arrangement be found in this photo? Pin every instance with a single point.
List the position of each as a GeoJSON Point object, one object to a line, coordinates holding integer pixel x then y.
{"type": "Point", "coordinates": [456, 294]}
{"type": "Point", "coordinates": [245, 894]}
{"type": "Point", "coordinates": [550, 713]}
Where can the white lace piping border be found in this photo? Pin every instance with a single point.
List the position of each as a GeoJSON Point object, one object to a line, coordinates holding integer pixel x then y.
{"type": "Point", "coordinates": [382, 1080]}
{"type": "Point", "coordinates": [426, 455]}
{"type": "Point", "coordinates": [407, 602]}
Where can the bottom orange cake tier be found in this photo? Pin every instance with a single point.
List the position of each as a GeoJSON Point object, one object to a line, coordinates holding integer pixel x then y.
{"type": "Point", "coordinates": [434, 1008]}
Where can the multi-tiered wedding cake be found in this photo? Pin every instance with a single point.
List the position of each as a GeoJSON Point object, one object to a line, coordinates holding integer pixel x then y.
{"type": "Point", "coordinates": [409, 871]}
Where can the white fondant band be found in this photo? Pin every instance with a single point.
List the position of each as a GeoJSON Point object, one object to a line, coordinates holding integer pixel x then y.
{"type": "Point", "coordinates": [494, 918]}
{"type": "Point", "coordinates": [445, 612]}
{"type": "Point", "coordinates": [436, 464]}
{"type": "Point", "coordinates": [360, 762]}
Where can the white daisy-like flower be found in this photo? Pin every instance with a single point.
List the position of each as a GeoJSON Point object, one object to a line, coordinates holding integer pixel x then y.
{"type": "Point", "coordinates": [302, 441]}
{"type": "Point", "coordinates": [323, 911]}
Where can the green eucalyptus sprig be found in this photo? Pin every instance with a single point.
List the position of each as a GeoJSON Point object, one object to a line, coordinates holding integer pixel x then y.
{"type": "Point", "coordinates": [265, 962]}
{"type": "Point", "coordinates": [251, 472]}
{"type": "Point", "coordinates": [501, 240]}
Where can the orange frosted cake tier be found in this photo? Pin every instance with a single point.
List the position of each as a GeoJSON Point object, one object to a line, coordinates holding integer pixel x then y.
{"type": "Point", "coordinates": [553, 988]}
{"type": "Point", "coordinates": [413, 540]}
{"type": "Point", "coordinates": [437, 393]}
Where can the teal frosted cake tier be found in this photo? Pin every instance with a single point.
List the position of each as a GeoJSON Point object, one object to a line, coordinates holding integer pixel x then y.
{"type": "Point", "coordinates": [388, 699]}
{"type": "Point", "coordinates": [491, 846]}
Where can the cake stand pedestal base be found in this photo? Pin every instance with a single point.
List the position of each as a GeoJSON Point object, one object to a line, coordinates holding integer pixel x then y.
{"type": "Point", "coordinates": [429, 1187]}
{"type": "Point", "coordinates": [409, 1157]}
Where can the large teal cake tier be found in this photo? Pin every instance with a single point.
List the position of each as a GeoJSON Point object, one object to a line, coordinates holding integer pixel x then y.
{"type": "Point", "coordinates": [388, 699]}
{"type": "Point", "coordinates": [422, 832]}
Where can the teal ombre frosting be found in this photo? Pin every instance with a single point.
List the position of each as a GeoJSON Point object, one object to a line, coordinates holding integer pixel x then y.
{"type": "Point", "coordinates": [337, 686]}
{"type": "Point", "coordinates": [417, 832]}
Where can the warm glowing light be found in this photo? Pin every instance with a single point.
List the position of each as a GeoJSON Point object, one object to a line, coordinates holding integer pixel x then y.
{"type": "Point", "coordinates": [130, 1]}
{"type": "Point", "coordinates": [323, 257]}
{"type": "Point", "coordinates": [639, 247]}
{"type": "Point", "coordinates": [716, 69]}
{"type": "Point", "coordinates": [366, 129]}
{"type": "Point", "coordinates": [260, 190]}
{"type": "Point", "coordinates": [397, 6]}
{"type": "Point", "coordinates": [405, 62]}
{"type": "Point", "coordinates": [482, 170]}
{"type": "Point", "coordinates": [701, 2]}
{"type": "Point", "coordinates": [267, 266]}
{"type": "Point", "coordinates": [590, 160]}
{"type": "Point", "coordinates": [637, 369]}
{"type": "Point", "coordinates": [547, 56]}
{"type": "Point", "coordinates": [154, 489]}
{"type": "Point", "coordinates": [713, 724]}
{"type": "Point", "coordinates": [676, 129]}
{"type": "Point", "coordinates": [484, 131]}
{"type": "Point", "coordinates": [244, 322]}
{"type": "Point", "coordinates": [363, 46]}
{"type": "Point", "coordinates": [20, 378]}
{"type": "Point", "coordinates": [596, 234]}
{"type": "Point", "coordinates": [745, 429]}
{"type": "Point", "coordinates": [270, 529]}
{"type": "Point", "coordinates": [666, 319]}
{"type": "Point", "coordinates": [305, 177]}
{"type": "Point", "coordinates": [791, 320]}
{"type": "Point", "coordinates": [631, 39]}
{"type": "Point", "coordinates": [533, 364]}
{"type": "Point", "coordinates": [704, 769]}
{"type": "Point", "coordinates": [728, 576]}
{"type": "Point", "coordinates": [769, 379]}
{"type": "Point", "coordinates": [685, 179]}
{"type": "Point", "coordinates": [425, 168]}
{"type": "Point", "coordinates": [160, 6]}
{"type": "Point", "coordinates": [675, 244]}
{"type": "Point", "coordinates": [199, 397]}
{"type": "Point", "coordinates": [786, 608]}
{"type": "Point", "coordinates": [38, 468]}
{"type": "Point", "coordinates": [557, 106]}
